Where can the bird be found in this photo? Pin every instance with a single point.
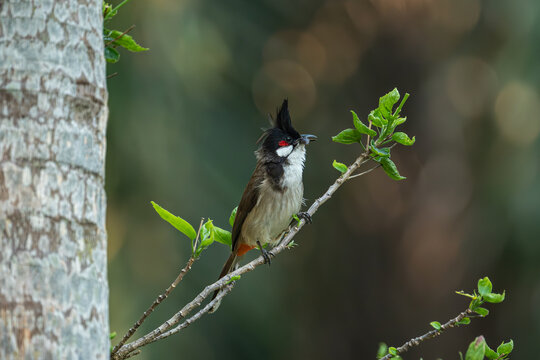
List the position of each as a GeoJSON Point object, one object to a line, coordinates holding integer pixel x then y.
{"type": "Point", "coordinates": [274, 193]}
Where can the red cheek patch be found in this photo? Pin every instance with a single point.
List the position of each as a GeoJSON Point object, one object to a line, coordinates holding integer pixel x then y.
{"type": "Point", "coordinates": [283, 143]}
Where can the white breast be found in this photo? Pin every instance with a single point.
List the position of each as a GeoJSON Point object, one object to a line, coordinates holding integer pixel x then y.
{"type": "Point", "coordinates": [275, 207]}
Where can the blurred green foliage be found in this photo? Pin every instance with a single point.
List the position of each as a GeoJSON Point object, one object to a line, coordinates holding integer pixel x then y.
{"type": "Point", "coordinates": [184, 119]}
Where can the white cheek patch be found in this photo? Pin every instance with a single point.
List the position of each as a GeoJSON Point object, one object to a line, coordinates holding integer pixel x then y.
{"type": "Point", "coordinates": [284, 151]}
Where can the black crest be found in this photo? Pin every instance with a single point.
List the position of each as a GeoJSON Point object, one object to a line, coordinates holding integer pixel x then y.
{"type": "Point", "coordinates": [283, 120]}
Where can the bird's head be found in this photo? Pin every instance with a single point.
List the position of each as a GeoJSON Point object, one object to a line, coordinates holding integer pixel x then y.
{"type": "Point", "coordinates": [282, 139]}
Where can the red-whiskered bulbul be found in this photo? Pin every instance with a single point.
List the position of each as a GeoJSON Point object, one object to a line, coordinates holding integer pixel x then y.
{"type": "Point", "coordinates": [274, 193]}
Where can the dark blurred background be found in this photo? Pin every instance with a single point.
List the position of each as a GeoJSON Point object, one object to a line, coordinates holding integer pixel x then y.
{"type": "Point", "coordinates": [383, 258]}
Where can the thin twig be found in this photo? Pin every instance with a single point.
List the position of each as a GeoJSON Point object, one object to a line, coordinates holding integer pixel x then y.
{"type": "Point", "coordinates": [159, 299]}
{"type": "Point", "coordinates": [429, 335]}
{"type": "Point", "coordinates": [199, 314]}
{"type": "Point", "coordinates": [121, 35]}
{"type": "Point", "coordinates": [112, 75]}
{"type": "Point", "coordinates": [196, 302]}
{"type": "Point", "coordinates": [365, 172]}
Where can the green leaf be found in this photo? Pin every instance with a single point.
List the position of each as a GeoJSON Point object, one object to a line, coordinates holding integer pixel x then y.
{"type": "Point", "coordinates": [392, 351]}
{"type": "Point", "coordinates": [222, 236]}
{"type": "Point", "coordinates": [111, 55]}
{"type": "Point", "coordinates": [390, 169]}
{"type": "Point", "coordinates": [377, 119]}
{"type": "Point", "coordinates": [125, 41]}
{"type": "Point", "coordinates": [295, 217]}
{"type": "Point", "coordinates": [382, 351]}
{"type": "Point", "coordinates": [180, 224]}
{"type": "Point", "coordinates": [476, 349]}
{"type": "Point", "coordinates": [481, 311]}
{"type": "Point", "coordinates": [233, 216]}
{"type": "Point", "coordinates": [494, 298]}
{"type": "Point", "coordinates": [207, 237]}
{"type": "Point", "coordinates": [484, 286]}
{"type": "Point", "coordinates": [361, 127]}
{"type": "Point", "coordinates": [342, 168]}
{"type": "Point", "coordinates": [403, 139]}
{"type": "Point", "coordinates": [348, 136]}
{"type": "Point", "coordinates": [398, 110]}
{"type": "Point", "coordinates": [464, 321]}
{"type": "Point", "coordinates": [234, 278]}
{"type": "Point", "coordinates": [292, 243]}
{"type": "Point", "coordinates": [436, 325]}
{"type": "Point", "coordinates": [387, 102]}
{"type": "Point", "coordinates": [112, 335]}
{"type": "Point", "coordinates": [490, 354]}
{"type": "Point", "coordinates": [506, 348]}
{"type": "Point", "coordinates": [383, 152]}
{"type": "Point", "coordinates": [475, 302]}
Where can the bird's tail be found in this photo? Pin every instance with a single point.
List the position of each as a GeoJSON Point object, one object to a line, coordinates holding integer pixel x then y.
{"type": "Point", "coordinates": [227, 268]}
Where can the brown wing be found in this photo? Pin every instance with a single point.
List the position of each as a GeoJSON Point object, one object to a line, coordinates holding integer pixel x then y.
{"type": "Point", "coordinates": [248, 201]}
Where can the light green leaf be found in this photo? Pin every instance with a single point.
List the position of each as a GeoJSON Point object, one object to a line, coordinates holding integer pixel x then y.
{"type": "Point", "coordinates": [476, 349]}
{"type": "Point", "coordinates": [484, 286]}
{"type": "Point", "coordinates": [112, 335]}
{"type": "Point", "coordinates": [387, 102]}
{"type": "Point", "coordinates": [377, 119]}
{"type": "Point", "coordinates": [361, 127]}
{"type": "Point", "coordinates": [481, 311]}
{"type": "Point", "coordinates": [111, 55]}
{"type": "Point", "coordinates": [233, 278]}
{"type": "Point", "coordinates": [402, 138]}
{"type": "Point", "coordinates": [464, 321]}
{"type": "Point", "coordinates": [340, 167]}
{"type": "Point", "coordinates": [494, 298]}
{"type": "Point", "coordinates": [506, 348]}
{"type": "Point", "coordinates": [348, 136]}
{"type": "Point", "coordinates": [222, 236]}
{"type": "Point", "coordinates": [490, 354]}
{"type": "Point", "coordinates": [180, 224]}
{"type": "Point", "coordinates": [436, 325]}
{"type": "Point", "coordinates": [207, 237]}
{"type": "Point", "coordinates": [390, 169]}
{"type": "Point", "coordinates": [392, 351]}
{"type": "Point", "coordinates": [233, 216]}
{"type": "Point", "coordinates": [125, 41]}
{"type": "Point", "coordinates": [382, 351]}
{"type": "Point", "coordinates": [382, 152]}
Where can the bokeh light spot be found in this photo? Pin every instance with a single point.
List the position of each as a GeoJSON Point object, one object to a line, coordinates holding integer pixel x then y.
{"type": "Point", "coordinates": [516, 113]}
{"type": "Point", "coordinates": [470, 83]}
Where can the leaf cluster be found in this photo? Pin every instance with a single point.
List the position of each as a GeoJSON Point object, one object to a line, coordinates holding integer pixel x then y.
{"type": "Point", "coordinates": [208, 232]}
{"type": "Point", "coordinates": [484, 295]}
{"type": "Point", "coordinates": [479, 350]}
{"type": "Point", "coordinates": [379, 133]}
{"type": "Point", "coordinates": [114, 38]}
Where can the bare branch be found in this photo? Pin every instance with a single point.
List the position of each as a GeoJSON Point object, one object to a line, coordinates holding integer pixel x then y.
{"type": "Point", "coordinates": [429, 335]}
{"type": "Point", "coordinates": [160, 298]}
{"type": "Point", "coordinates": [164, 329]}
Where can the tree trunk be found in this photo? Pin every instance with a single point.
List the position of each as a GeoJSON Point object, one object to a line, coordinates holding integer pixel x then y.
{"type": "Point", "coordinates": [53, 115]}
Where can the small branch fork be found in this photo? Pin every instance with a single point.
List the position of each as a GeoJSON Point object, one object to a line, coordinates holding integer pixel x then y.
{"type": "Point", "coordinates": [226, 283]}
{"type": "Point", "coordinates": [429, 335]}
{"type": "Point", "coordinates": [159, 299]}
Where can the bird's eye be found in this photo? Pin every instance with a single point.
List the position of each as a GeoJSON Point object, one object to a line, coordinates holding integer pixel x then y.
{"type": "Point", "coordinates": [283, 143]}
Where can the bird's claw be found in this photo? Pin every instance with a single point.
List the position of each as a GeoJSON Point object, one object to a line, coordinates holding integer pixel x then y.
{"type": "Point", "coordinates": [306, 216]}
{"type": "Point", "coordinates": [267, 255]}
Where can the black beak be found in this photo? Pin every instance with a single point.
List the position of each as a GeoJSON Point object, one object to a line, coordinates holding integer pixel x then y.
{"type": "Point", "coordinates": [306, 138]}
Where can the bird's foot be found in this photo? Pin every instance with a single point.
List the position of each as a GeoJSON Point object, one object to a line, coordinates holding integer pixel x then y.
{"type": "Point", "coordinates": [265, 254]}
{"type": "Point", "coordinates": [306, 216]}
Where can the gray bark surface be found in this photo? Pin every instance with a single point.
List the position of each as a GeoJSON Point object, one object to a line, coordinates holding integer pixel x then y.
{"type": "Point", "coordinates": [53, 115]}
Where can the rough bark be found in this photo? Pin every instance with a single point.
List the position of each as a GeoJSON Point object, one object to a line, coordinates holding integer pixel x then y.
{"type": "Point", "coordinates": [53, 114]}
